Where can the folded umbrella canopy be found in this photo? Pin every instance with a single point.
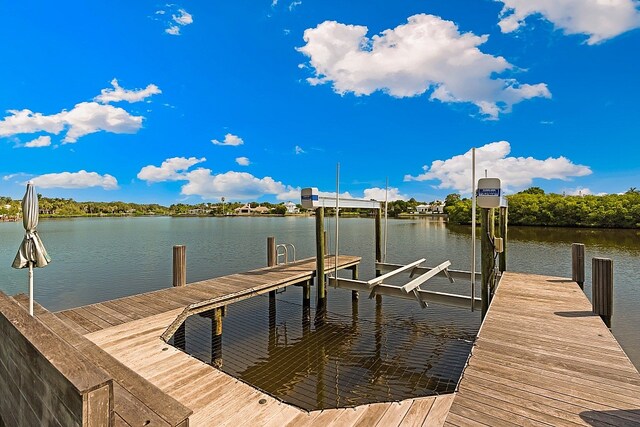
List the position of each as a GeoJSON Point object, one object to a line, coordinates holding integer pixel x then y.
{"type": "Point", "coordinates": [32, 252]}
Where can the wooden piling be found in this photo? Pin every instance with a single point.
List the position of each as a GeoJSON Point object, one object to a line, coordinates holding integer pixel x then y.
{"type": "Point", "coordinates": [272, 259]}
{"type": "Point", "coordinates": [602, 288]}
{"type": "Point", "coordinates": [354, 276]}
{"type": "Point", "coordinates": [272, 256]}
{"type": "Point", "coordinates": [179, 265]}
{"type": "Point", "coordinates": [216, 338]}
{"type": "Point", "coordinates": [503, 221]}
{"type": "Point", "coordinates": [320, 251]}
{"type": "Point", "coordinates": [577, 264]}
{"type": "Point", "coordinates": [486, 256]}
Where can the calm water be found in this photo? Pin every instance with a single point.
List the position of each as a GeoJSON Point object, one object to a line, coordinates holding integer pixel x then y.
{"type": "Point", "coordinates": [96, 259]}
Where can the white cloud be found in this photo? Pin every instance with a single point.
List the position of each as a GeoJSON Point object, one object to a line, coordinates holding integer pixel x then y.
{"type": "Point", "coordinates": [173, 30]}
{"type": "Point", "coordinates": [514, 172]}
{"type": "Point", "coordinates": [579, 191]}
{"type": "Point", "coordinates": [26, 121]}
{"type": "Point", "coordinates": [274, 3]}
{"type": "Point", "coordinates": [229, 139]}
{"type": "Point", "coordinates": [293, 5]}
{"type": "Point", "coordinates": [41, 141]}
{"type": "Point", "coordinates": [91, 117]}
{"type": "Point", "coordinates": [426, 54]}
{"type": "Point", "coordinates": [599, 19]}
{"type": "Point", "coordinates": [299, 150]}
{"type": "Point", "coordinates": [379, 194]}
{"type": "Point", "coordinates": [243, 161]}
{"type": "Point", "coordinates": [118, 93]}
{"type": "Point", "coordinates": [85, 118]}
{"type": "Point", "coordinates": [182, 18]}
{"type": "Point", "coordinates": [172, 169]}
{"type": "Point", "coordinates": [232, 185]}
{"type": "Point", "coordinates": [208, 185]}
{"type": "Point", "coordinates": [179, 19]}
{"type": "Point", "coordinates": [80, 179]}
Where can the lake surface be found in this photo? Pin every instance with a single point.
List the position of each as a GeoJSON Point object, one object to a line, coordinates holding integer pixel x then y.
{"type": "Point", "coordinates": [96, 259]}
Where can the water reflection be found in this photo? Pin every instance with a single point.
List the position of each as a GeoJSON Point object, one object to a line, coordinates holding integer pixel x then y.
{"type": "Point", "coordinates": [343, 358]}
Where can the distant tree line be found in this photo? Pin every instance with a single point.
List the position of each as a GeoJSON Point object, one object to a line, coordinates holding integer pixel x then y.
{"type": "Point", "coordinates": [60, 207]}
{"type": "Point", "coordinates": [534, 207]}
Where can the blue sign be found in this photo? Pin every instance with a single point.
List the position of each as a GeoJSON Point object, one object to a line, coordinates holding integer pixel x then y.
{"type": "Point", "coordinates": [313, 197]}
{"type": "Point", "coordinates": [488, 192]}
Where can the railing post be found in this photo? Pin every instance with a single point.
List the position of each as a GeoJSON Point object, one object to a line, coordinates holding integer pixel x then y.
{"type": "Point", "coordinates": [577, 264]}
{"type": "Point", "coordinates": [602, 288]}
{"type": "Point", "coordinates": [179, 265]}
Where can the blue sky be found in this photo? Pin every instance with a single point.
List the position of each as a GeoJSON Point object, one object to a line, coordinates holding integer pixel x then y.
{"type": "Point", "coordinates": [252, 100]}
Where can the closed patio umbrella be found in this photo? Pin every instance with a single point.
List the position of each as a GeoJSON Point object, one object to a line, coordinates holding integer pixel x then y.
{"type": "Point", "coordinates": [32, 252]}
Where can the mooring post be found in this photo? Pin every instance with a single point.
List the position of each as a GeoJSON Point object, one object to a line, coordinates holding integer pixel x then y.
{"type": "Point", "coordinates": [502, 226]}
{"type": "Point", "coordinates": [320, 251]}
{"type": "Point", "coordinates": [179, 265]}
{"type": "Point", "coordinates": [216, 335]}
{"type": "Point", "coordinates": [486, 251]}
{"type": "Point", "coordinates": [354, 276]}
{"type": "Point", "coordinates": [180, 279]}
{"type": "Point", "coordinates": [602, 288]}
{"type": "Point", "coordinates": [272, 260]}
{"type": "Point", "coordinates": [378, 233]}
{"type": "Point", "coordinates": [577, 264]}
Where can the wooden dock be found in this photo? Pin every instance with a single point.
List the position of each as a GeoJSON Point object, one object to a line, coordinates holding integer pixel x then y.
{"type": "Point", "coordinates": [541, 358]}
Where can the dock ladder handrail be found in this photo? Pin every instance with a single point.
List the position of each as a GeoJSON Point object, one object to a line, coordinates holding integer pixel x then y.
{"type": "Point", "coordinates": [282, 250]}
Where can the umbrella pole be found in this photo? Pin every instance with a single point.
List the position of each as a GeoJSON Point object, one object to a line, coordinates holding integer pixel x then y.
{"type": "Point", "coordinates": [31, 288]}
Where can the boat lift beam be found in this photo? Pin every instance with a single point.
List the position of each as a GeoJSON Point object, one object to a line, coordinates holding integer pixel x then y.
{"type": "Point", "coordinates": [452, 300]}
{"type": "Point", "coordinates": [454, 274]}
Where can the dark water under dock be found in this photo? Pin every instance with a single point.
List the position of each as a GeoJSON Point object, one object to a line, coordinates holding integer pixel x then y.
{"type": "Point", "coordinates": [356, 354]}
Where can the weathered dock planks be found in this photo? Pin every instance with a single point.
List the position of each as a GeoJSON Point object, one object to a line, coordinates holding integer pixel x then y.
{"type": "Point", "coordinates": [95, 317]}
{"type": "Point", "coordinates": [543, 358]}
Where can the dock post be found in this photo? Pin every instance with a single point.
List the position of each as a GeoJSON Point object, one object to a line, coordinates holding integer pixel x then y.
{"type": "Point", "coordinates": [180, 279]}
{"type": "Point", "coordinates": [502, 229]}
{"type": "Point", "coordinates": [577, 264]}
{"type": "Point", "coordinates": [602, 288]}
{"type": "Point", "coordinates": [179, 265]}
{"type": "Point", "coordinates": [354, 276]}
{"type": "Point", "coordinates": [216, 335]}
{"type": "Point", "coordinates": [272, 260]}
{"type": "Point", "coordinates": [378, 226]}
{"type": "Point", "coordinates": [320, 252]}
{"type": "Point", "coordinates": [486, 250]}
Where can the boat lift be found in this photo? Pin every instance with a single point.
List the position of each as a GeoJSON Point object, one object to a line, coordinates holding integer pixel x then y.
{"type": "Point", "coordinates": [311, 199]}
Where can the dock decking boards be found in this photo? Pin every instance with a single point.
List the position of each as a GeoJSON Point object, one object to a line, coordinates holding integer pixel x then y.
{"type": "Point", "coordinates": [543, 358]}
{"type": "Point", "coordinates": [95, 317]}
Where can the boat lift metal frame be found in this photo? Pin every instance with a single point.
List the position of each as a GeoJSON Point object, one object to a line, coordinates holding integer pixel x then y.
{"type": "Point", "coordinates": [410, 290]}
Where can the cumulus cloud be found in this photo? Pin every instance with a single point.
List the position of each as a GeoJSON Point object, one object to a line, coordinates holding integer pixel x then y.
{"type": "Point", "coordinates": [514, 172]}
{"type": "Point", "coordinates": [243, 161]}
{"type": "Point", "coordinates": [379, 194]}
{"type": "Point", "coordinates": [118, 93]}
{"type": "Point", "coordinates": [179, 18]}
{"type": "Point", "coordinates": [172, 169]}
{"type": "Point", "coordinates": [80, 179]}
{"type": "Point", "coordinates": [427, 54]}
{"type": "Point", "coordinates": [598, 19]}
{"type": "Point", "coordinates": [85, 118]}
{"type": "Point", "coordinates": [41, 141]}
{"type": "Point", "coordinates": [229, 139]}
{"type": "Point", "coordinates": [205, 183]}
